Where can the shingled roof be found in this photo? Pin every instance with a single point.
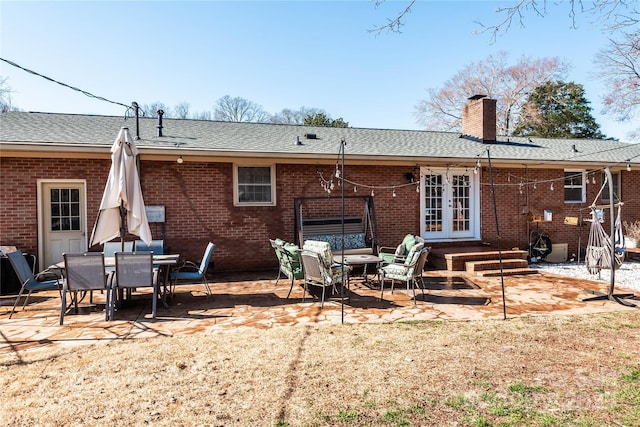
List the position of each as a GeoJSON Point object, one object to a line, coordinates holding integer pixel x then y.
{"type": "Point", "coordinates": [29, 131]}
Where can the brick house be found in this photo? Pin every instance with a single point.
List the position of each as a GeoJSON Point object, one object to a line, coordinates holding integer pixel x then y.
{"type": "Point", "coordinates": [235, 183]}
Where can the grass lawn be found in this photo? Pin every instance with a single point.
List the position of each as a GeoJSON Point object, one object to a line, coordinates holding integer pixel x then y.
{"type": "Point", "coordinates": [536, 371]}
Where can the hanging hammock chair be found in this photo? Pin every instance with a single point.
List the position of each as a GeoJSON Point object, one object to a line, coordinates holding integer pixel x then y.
{"type": "Point", "coordinates": [598, 255]}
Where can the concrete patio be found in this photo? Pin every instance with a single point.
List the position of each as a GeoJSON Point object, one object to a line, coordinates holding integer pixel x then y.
{"type": "Point", "coordinates": [252, 300]}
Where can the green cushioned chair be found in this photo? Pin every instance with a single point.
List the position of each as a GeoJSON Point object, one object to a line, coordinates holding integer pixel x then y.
{"type": "Point", "coordinates": [409, 271]}
{"type": "Point", "coordinates": [288, 256]}
{"type": "Point", "coordinates": [399, 253]}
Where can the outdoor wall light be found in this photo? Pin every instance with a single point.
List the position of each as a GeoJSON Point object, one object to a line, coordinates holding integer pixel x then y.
{"type": "Point", "coordinates": [179, 160]}
{"type": "Point", "coordinates": [409, 176]}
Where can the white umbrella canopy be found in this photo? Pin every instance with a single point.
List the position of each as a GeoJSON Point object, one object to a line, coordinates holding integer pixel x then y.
{"type": "Point", "coordinates": [122, 196]}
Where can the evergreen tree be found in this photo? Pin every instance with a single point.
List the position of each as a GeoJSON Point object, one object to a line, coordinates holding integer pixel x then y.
{"type": "Point", "coordinates": [322, 119]}
{"type": "Point", "coordinates": [557, 109]}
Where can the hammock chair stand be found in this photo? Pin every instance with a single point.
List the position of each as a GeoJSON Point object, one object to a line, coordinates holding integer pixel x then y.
{"type": "Point", "coordinates": [601, 249]}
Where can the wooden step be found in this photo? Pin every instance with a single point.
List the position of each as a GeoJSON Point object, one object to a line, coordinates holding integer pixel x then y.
{"type": "Point", "coordinates": [494, 264]}
{"type": "Point", "coordinates": [507, 272]}
{"type": "Point", "coordinates": [456, 261]}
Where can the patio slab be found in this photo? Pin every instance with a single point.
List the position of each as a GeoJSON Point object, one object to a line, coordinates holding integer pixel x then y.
{"type": "Point", "coordinates": [253, 300]}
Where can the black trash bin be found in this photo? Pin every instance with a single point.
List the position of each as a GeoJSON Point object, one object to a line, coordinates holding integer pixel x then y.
{"type": "Point", "coordinates": [9, 282]}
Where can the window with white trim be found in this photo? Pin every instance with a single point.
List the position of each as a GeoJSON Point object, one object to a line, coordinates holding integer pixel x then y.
{"type": "Point", "coordinates": [254, 185]}
{"type": "Point", "coordinates": [616, 187]}
{"type": "Point", "coordinates": [575, 190]}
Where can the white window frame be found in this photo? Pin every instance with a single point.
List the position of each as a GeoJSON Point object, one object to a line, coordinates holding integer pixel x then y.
{"type": "Point", "coordinates": [236, 192]}
{"type": "Point", "coordinates": [616, 186]}
{"type": "Point", "coordinates": [583, 187]}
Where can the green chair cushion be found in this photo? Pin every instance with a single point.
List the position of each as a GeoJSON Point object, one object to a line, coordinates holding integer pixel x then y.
{"type": "Point", "coordinates": [409, 241]}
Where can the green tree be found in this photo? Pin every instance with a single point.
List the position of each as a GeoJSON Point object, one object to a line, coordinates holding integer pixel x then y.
{"type": "Point", "coordinates": [322, 119]}
{"type": "Point", "coordinates": [557, 109]}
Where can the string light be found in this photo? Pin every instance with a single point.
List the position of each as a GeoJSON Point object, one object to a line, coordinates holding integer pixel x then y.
{"type": "Point", "coordinates": [628, 167]}
{"type": "Point", "coordinates": [593, 179]}
{"type": "Point", "coordinates": [394, 192]}
{"type": "Point", "coordinates": [551, 187]}
{"type": "Point", "coordinates": [355, 189]}
{"type": "Point", "coordinates": [372, 193]}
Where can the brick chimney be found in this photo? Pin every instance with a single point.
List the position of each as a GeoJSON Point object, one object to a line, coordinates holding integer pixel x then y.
{"type": "Point", "coordinates": [479, 119]}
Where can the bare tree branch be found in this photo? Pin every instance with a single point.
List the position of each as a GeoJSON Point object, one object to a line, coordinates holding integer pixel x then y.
{"type": "Point", "coordinates": [494, 77]}
{"type": "Point", "coordinates": [239, 109]}
{"type": "Point", "coordinates": [619, 65]}
{"type": "Point", "coordinates": [612, 15]}
{"type": "Point", "coordinates": [393, 25]}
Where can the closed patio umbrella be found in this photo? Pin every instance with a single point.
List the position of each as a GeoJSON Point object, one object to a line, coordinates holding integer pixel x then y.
{"type": "Point", "coordinates": [122, 199]}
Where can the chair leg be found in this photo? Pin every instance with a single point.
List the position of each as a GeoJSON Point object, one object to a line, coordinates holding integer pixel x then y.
{"type": "Point", "coordinates": [381, 286]}
{"type": "Point", "coordinates": [63, 304]}
{"type": "Point", "coordinates": [205, 282]}
{"type": "Point", "coordinates": [290, 288]}
{"type": "Point", "coordinates": [112, 309]}
{"type": "Point", "coordinates": [75, 301]}
{"type": "Point", "coordinates": [107, 305]}
{"type": "Point", "coordinates": [413, 286]}
{"type": "Point", "coordinates": [421, 286]}
{"type": "Point", "coordinates": [154, 304]}
{"type": "Point", "coordinates": [15, 303]}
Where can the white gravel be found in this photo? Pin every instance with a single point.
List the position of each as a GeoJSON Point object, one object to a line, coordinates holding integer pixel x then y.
{"type": "Point", "coordinates": [627, 276]}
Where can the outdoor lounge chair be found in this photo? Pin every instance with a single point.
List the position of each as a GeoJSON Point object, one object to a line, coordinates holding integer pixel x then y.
{"type": "Point", "coordinates": [83, 273]}
{"type": "Point", "coordinates": [399, 253]}
{"type": "Point", "coordinates": [190, 271]}
{"type": "Point", "coordinates": [156, 246]}
{"type": "Point", "coordinates": [318, 274]}
{"type": "Point", "coordinates": [110, 248]}
{"type": "Point", "coordinates": [134, 270]}
{"type": "Point", "coordinates": [28, 279]}
{"type": "Point", "coordinates": [288, 256]}
{"type": "Point", "coordinates": [409, 271]}
{"type": "Point", "coordinates": [320, 270]}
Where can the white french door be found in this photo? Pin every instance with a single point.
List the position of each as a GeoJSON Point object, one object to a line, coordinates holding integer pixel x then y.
{"type": "Point", "coordinates": [449, 204]}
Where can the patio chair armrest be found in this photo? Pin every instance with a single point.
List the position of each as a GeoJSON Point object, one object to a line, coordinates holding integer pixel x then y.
{"type": "Point", "coordinates": [386, 249]}
{"type": "Point", "coordinates": [53, 272]}
{"type": "Point", "coordinates": [187, 264]}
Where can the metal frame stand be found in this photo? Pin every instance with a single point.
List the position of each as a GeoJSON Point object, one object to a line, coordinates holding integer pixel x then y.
{"type": "Point", "coordinates": [599, 296]}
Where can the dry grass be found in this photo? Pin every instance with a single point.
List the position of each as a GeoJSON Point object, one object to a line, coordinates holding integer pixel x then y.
{"type": "Point", "coordinates": [540, 371]}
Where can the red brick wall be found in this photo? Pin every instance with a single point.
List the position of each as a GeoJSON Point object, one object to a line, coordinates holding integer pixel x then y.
{"type": "Point", "coordinates": [18, 194]}
{"type": "Point", "coordinates": [198, 202]}
{"type": "Point", "coordinates": [513, 205]}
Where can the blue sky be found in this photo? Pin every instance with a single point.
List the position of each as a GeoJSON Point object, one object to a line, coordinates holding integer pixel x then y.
{"type": "Point", "coordinates": [279, 54]}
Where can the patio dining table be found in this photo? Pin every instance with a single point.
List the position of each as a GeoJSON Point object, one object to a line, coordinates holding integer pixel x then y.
{"type": "Point", "coordinates": [164, 263]}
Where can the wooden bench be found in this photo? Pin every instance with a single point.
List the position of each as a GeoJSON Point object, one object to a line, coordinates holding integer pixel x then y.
{"type": "Point", "coordinates": [330, 230]}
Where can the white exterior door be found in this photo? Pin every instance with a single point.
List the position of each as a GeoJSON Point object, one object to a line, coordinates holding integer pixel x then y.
{"type": "Point", "coordinates": [63, 220]}
{"type": "Point", "coordinates": [449, 205]}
